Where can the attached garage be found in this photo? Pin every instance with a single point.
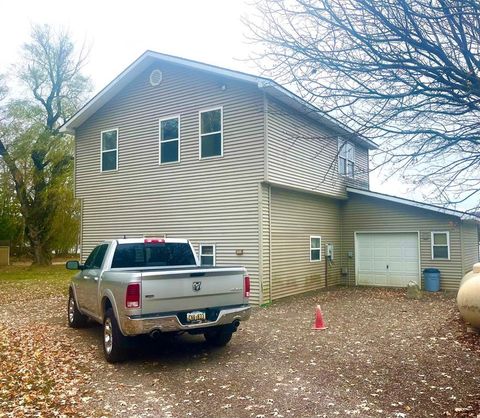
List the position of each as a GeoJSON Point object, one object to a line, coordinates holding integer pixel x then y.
{"type": "Point", "coordinates": [387, 258]}
{"type": "Point", "coordinates": [389, 241]}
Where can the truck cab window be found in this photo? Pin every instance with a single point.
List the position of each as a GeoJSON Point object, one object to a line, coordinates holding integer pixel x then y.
{"type": "Point", "coordinates": [102, 250]}
{"type": "Point", "coordinates": [91, 257]}
{"type": "Point", "coordinates": [153, 255]}
{"type": "Point", "coordinates": [95, 259]}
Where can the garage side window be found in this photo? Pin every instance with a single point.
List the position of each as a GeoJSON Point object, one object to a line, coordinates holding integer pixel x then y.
{"type": "Point", "coordinates": [170, 140]}
{"type": "Point", "coordinates": [109, 150]}
{"type": "Point", "coordinates": [207, 254]}
{"type": "Point", "coordinates": [211, 133]}
{"type": "Point", "coordinates": [315, 248]}
{"type": "Point", "coordinates": [440, 246]}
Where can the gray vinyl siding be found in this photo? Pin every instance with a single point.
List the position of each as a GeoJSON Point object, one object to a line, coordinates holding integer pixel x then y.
{"type": "Point", "coordinates": [367, 214]}
{"type": "Point", "coordinates": [295, 217]}
{"type": "Point", "coordinates": [469, 245]}
{"type": "Point", "coordinates": [303, 154]}
{"type": "Point", "coordinates": [207, 201]}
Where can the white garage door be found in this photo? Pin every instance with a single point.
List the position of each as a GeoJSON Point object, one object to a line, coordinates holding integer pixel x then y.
{"type": "Point", "coordinates": [387, 259]}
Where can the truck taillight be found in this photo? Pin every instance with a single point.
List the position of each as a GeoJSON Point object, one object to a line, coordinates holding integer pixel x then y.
{"type": "Point", "coordinates": [154, 241]}
{"type": "Point", "coordinates": [246, 287]}
{"type": "Point", "coordinates": [132, 299]}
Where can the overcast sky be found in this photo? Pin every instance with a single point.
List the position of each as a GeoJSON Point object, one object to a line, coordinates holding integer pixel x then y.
{"type": "Point", "coordinates": [117, 32]}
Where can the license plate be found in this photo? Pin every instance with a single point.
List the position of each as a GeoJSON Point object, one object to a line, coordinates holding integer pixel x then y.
{"type": "Point", "coordinates": [196, 316]}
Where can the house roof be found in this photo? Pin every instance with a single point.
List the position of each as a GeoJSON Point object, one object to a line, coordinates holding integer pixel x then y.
{"type": "Point", "coordinates": [452, 212]}
{"type": "Point", "coordinates": [269, 86]}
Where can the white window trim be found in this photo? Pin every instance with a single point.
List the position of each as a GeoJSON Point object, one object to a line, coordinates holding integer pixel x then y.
{"type": "Point", "coordinates": [432, 244]}
{"type": "Point", "coordinates": [319, 248]}
{"type": "Point", "coordinates": [342, 143]}
{"type": "Point", "coordinates": [102, 151]}
{"type": "Point", "coordinates": [210, 133]}
{"type": "Point", "coordinates": [200, 251]}
{"type": "Point", "coordinates": [168, 140]}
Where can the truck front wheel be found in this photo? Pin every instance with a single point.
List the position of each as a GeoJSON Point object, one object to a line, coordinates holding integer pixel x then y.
{"type": "Point", "coordinates": [115, 344]}
{"type": "Point", "coordinates": [75, 318]}
{"type": "Point", "coordinates": [219, 336]}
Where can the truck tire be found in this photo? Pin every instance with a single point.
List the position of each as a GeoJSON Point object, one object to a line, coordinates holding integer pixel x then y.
{"type": "Point", "coordinates": [75, 318]}
{"type": "Point", "coordinates": [115, 344]}
{"type": "Point", "coordinates": [219, 336]}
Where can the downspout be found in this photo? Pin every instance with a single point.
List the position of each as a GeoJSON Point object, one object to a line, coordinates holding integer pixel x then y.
{"type": "Point", "coordinates": [326, 270]}
{"type": "Point", "coordinates": [270, 263]}
{"type": "Point", "coordinates": [265, 179]}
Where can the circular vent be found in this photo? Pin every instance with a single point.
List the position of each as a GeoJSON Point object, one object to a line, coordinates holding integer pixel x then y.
{"type": "Point", "coordinates": [156, 77]}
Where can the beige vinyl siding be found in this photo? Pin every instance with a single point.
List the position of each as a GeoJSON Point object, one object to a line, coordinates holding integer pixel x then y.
{"type": "Point", "coordinates": [265, 264]}
{"type": "Point", "coordinates": [207, 201]}
{"type": "Point", "coordinates": [469, 245]}
{"type": "Point", "coordinates": [362, 169]}
{"type": "Point", "coordinates": [295, 217]}
{"type": "Point", "coordinates": [303, 154]}
{"type": "Point", "coordinates": [367, 214]}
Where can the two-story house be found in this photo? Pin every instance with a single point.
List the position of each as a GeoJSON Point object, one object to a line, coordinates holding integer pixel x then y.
{"type": "Point", "coordinates": [252, 175]}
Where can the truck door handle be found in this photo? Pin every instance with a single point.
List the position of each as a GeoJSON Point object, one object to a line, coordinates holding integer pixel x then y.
{"type": "Point", "coordinates": [387, 266]}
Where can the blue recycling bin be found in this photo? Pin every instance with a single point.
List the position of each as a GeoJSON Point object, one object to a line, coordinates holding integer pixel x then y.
{"type": "Point", "coordinates": [431, 279]}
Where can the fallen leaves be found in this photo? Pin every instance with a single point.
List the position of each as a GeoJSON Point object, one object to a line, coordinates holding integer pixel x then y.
{"type": "Point", "coordinates": [41, 373]}
{"type": "Point", "coordinates": [383, 355]}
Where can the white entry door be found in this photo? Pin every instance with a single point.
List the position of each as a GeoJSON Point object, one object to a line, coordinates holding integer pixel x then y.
{"type": "Point", "coordinates": [387, 259]}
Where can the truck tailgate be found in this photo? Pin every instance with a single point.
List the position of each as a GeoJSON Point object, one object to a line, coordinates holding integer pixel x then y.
{"type": "Point", "coordinates": [188, 289]}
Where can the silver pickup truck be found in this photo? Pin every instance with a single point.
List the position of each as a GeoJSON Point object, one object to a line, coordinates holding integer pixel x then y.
{"type": "Point", "coordinates": [153, 286]}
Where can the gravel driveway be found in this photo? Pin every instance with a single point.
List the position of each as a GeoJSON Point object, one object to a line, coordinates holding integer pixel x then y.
{"type": "Point", "coordinates": [382, 355]}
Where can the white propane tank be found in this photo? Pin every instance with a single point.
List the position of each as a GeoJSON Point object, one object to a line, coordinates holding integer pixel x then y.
{"type": "Point", "coordinates": [476, 270]}
{"type": "Point", "coordinates": [468, 297]}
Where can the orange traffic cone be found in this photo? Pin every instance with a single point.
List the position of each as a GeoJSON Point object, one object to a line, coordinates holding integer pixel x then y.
{"type": "Point", "coordinates": [319, 324]}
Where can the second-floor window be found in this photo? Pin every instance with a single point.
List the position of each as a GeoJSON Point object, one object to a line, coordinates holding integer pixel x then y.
{"type": "Point", "coordinates": [109, 150]}
{"type": "Point", "coordinates": [169, 140]}
{"type": "Point", "coordinates": [346, 158]}
{"type": "Point", "coordinates": [211, 133]}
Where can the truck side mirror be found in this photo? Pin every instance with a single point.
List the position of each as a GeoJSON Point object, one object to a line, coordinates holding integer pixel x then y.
{"type": "Point", "coordinates": [73, 265]}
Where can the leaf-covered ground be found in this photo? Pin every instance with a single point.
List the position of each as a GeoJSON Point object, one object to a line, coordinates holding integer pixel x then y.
{"type": "Point", "coordinates": [42, 371]}
{"type": "Point", "coordinates": [382, 355]}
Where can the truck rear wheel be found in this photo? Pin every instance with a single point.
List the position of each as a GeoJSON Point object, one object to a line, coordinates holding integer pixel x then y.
{"type": "Point", "coordinates": [115, 344]}
{"type": "Point", "coordinates": [75, 318]}
{"type": "Point", "coordinates": [219, 336]}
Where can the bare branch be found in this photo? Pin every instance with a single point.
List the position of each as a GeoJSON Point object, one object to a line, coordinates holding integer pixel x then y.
{"type": "Point", "coordinates": [404, 73]}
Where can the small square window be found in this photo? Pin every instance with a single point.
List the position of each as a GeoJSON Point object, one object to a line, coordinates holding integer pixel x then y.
{"type": "Point", "coordinates": [315, 248]}
{"type": "Point", "coordinates": [207, 254]}
{"type": "Point", "coordinates": [440, 245]}
{"type": "Point", "coordinates": [211, 133]}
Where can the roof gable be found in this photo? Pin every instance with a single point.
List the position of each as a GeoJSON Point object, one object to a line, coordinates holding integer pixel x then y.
{"type": "Point", "coordinates": [269, 86]}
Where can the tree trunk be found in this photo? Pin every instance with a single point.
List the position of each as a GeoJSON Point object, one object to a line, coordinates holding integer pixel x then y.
{"type": "Point", "coordinates": [41, 255]}
{"type": "Point", "coordinates": [40, 249]}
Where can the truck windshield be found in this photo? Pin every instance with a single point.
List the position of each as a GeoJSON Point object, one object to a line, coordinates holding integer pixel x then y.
{"type": "Point", "coordinates": [153, 255]}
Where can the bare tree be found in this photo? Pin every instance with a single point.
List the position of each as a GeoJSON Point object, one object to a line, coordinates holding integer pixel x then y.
{"type": "Point", "coordinates": [38, 158]}
{"type": "Point", "coordinates": [402, 72]}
